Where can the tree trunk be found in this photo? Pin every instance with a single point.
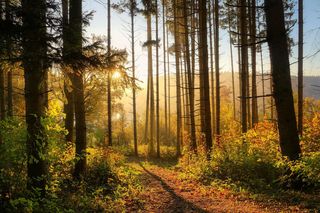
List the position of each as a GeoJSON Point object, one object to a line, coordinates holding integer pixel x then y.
{"type": "Point", "coordinates": [193, 143]}
{"type": "Point", "coordinates": [34, 64]}
{"type": "Point", "coordinates": [178, 92]}
{"type": "Point", "coordinates": [244, 64]}
{"type": "Point", "coordinates": [169, 83]}
{"type": "Point", "coordinates": [262, 83]}
{"type": "Point", "coordinates": [277, 40]}
{"type": "Point", "coordinates": [69, 106]}
{"type": "Point", "coordinates": [151, 90]}
{"type": "Point", "coordinates": [135, 136]}
{"type": "Point", "coordinates": [109, 80]}
{"type": "Point", "coordinates": [211, 25]}
{"type": "Point", "coordinates": [79, 108]}
{"type": "Point", "coordinates": [255, 116]}
{"type": "Point", "coordinates": [204, 77]}
{"type": "Point", "coordinates": [165, 70]}
{"type": "Point", "coordinates": [217, 67]}
{"type": "Point", "coordinates": [146, 129]}
{"type": "Point", "coordinates": [9, 74]}
{"type": "Point", "coordinates": [157, 82]}
{"type": "Point", "coordinates": [232, 67]}
{"type": "Point", "coordinates": [2, 84]}
{"type": "Point", "coordinates": [300, 68]}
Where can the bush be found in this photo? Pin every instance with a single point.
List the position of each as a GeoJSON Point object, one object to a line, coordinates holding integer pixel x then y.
{"type": "Point", "coordinates": [254, 161]}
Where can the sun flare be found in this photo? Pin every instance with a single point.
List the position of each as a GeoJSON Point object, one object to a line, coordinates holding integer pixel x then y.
{"type": "Point", "coordinates": [116, 75]}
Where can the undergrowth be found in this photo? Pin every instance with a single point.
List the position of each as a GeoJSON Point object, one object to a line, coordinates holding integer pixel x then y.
{"type": "Point", "coordinates": [253, 164]}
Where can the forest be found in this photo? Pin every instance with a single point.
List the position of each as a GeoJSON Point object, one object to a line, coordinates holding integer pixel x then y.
{"type": "Point", "coordinates": [193, 106]}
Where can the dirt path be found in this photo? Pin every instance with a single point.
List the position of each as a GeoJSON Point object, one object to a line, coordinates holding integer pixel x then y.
{"type": "Point", "coordinates": [165, 192]}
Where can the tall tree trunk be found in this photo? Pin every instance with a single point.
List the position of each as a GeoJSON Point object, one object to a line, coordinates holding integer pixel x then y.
{"type": "Point", "coordinates": [169, 83]}
{"type": "Point", "coordinates": [193, 142]}
{"type": "Point", "coordinates": [9, 74]}
{"type": "Point", "coordinates": [244, 64]}
{"type": "Point", "coordinates": [300, 68]}
{"type": "Point", "coordinates": [178, 92]}
{"type": "Point", "coordinates": [157, 82]}
{"type": "Point", "coordinates": [78, 78]}
{"type": "Point", "coordinates": [211, 25]}
{"type": "Point", "coordinates": [135, 136]}
{"type": "Point", "coordinates": [204, 77]}
{"type": "Point", "coordinates": [2, 84]}
{"type": "Point", "coordinates": [34, 64]}
{"type": "Point", "coordinates": [217, 66]}
{"type": "Point", "coordinates": [255, 116]}
{"type": "Point", "coordinates": [151, 90]}
{"type": "Point", "coordinates": [109, 78]}
{"type": "Point", "coordinates": [263, 85]}
{"type": "Point", "coordinates": [232, 67]}
{"type": "Point", "coordinates": [277, 40]}
{"type": "Point", "coordinates": [146, 129]}
{"type": "Point", "coordinates": [165, 70]}
{"type": "Point", "coordinates": [69, 106]}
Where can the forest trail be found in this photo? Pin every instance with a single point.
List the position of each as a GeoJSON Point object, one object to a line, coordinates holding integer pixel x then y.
{"type": "Point", "coordinates": [165, 192]}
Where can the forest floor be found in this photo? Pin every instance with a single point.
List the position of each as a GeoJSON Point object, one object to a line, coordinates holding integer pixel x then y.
{"type": "Point", "coordinates": [164, 190]}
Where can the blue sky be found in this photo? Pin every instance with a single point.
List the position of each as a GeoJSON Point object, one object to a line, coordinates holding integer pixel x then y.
{"type": "Point", "coordinates": [120, 37]}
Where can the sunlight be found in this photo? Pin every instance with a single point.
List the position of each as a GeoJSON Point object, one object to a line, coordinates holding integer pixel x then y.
{"type": "Point", "coordinates": [116, 75]}
{"type": "Point", "coordinates": [118, 116]}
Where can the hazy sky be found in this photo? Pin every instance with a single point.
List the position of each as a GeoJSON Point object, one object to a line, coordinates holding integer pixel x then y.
{"type": "Point", "coordinates": [120, 37]}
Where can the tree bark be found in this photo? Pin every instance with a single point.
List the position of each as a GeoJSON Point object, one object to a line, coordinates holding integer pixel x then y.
{"type": "Point", "coordinates": [157, 83]}
{"type": "Point", "coordinates": [193, 143]}
{"type": "Point", "coordinates": [204, 77]}
{"type": "Point", "coordinates": [178, 92]}
{"type": "Point", "coordinates": [300, 68]}
{"type": "Point", "coordinates": [109, 80]}
{"type": "Point", "coordinates": [217, 67]}
{"type": "Point", "coordinates": [232, 66]}
{"type": "Point", "coordinates": [79, 108]}
{"type": "Point", "coordinates": [244, 64]}
{"type": "Point", "coordinates": [255, 116]}
{"type": "Point", "coordinates": [277, 40]}
{"type": "Point", "coordinates": [135, 135]}
{"type": "Point", "coordinates": [151, 90]}
{"type": "Point", "coordinates": [69, 106]}
{"type": "Point", "coordinates": [165, 70]}
{"type": "Point", "coordinates": [34, 64]}
{"type": "Point", "coordinates": [9, 74]}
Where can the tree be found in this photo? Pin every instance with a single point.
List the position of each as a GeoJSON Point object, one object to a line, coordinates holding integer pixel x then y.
{"type": "Point", "coordinates": [149, 9]}
{"type": "Point", "coordinates": [178, 91]}
{"type": "Point", "coordinates": [131, 6]}
{"type": "Point", "coordinates": [244, 64]}
{"type": "Point", "coordinates": [204, 77]}
{"type": "Point", "coordinates": [9, 49]}
{"type": "Point", "coordinates": [35, 68]}
{"type": "Point", "coordinates": [300, 67]}
{"type": "Point", "coordinates": [157, 80]}
{"type": "Point", "coordinates": [255, 116]}
{"type": "Point", "coordinates": [165, 68]}
{"type": "Point", "coordinates": [190, 89]}
{"type": "Point", "coordinates": [77, 82]}
{"type": "Point", "coordinates": [217, 66]}
{"type": "Point", "coordinates": [109, 77]}
{"type": "Point", "coordinates": [278, 46]}
{"type": "Point", "coordinates": [68, 90]}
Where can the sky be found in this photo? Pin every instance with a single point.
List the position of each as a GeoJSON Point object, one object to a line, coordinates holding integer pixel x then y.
{"type": "Point", "coordinates": [120, 37]}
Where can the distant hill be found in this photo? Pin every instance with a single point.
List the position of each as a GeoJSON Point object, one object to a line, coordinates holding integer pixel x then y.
{"type": "Point", "coordinates": [310, 89]}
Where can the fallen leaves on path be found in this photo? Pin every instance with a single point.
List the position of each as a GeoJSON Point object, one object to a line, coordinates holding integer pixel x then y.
{"type": "Point", "coordinates": [165, 192]}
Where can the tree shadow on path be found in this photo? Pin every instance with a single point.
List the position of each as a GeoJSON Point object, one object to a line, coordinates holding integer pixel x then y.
{"type": "Point", "coordinates": [178, 204]}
